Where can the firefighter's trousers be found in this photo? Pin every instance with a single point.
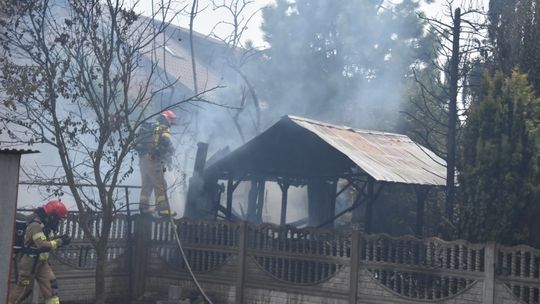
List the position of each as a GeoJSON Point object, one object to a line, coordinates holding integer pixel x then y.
{"type": "Point", "coordinates": [153, 179]}
{"type": "Point", "coordinates": [30, 270]}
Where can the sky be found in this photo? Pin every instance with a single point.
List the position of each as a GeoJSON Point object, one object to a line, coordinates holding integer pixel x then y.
{"type": "Point", "coordinates": [208, 16]}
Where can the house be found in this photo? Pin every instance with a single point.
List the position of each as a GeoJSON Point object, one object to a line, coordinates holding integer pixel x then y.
{"type": "Point", "coordinates": [9, 180]}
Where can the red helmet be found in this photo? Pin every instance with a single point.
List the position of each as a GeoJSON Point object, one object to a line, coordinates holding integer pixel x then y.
{"type": "Point", "coordinates": [56, 209]}
{"type": "Point", "coordinates": [170, 116]}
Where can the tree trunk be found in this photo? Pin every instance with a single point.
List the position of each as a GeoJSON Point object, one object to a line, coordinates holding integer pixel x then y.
{"type": "Point", "coordinates": [101, 252]}
{"type": "Point", "coordinates": [452, 118]}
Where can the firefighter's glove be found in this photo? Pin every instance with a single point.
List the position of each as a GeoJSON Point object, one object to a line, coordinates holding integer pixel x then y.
{"type": "Point", "coordinates": [66, 239]}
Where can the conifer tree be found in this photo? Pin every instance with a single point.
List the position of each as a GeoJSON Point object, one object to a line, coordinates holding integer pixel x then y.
{"type": "Point", "coordinates": [498, 163]}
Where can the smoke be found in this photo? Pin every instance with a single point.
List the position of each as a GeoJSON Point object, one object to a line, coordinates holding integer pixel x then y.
{"type": "Point", "coordinates": [345, 62]}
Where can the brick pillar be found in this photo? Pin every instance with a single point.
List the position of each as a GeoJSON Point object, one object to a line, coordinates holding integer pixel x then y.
{"type": "Point", "coordinates": [141, 254]}
{"type": "Point", "coordinates": [241, 279]}
{"type": "Point", "coordinates": [488, 294]}
{"type": "Point", "coordinates": [355, 264]}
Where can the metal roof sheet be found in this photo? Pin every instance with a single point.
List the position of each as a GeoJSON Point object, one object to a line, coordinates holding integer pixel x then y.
{"type": "Point", "coordinates": [17, 151]}
{"type": "Point", "coordinates": [384, 156]}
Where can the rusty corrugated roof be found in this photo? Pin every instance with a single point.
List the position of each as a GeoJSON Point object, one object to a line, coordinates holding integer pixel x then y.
{"type": "Point", "coordinates": [384, 156]}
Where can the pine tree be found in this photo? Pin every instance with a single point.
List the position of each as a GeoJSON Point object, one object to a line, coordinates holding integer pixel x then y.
{"type": "Point", "coordinates": [344, 61]}
{"type": "Point", "coordinates": [498, 164]}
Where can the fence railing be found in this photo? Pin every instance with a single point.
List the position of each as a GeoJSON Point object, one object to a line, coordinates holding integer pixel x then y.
{"type": "Point", "coordinates": [80, 253]}
{"type": "Point", "coordinates": [519, 268]}
{"type": "Point", "coordinates": [423, 269]}
{"type": "Point", "coordinates": [207, 245]}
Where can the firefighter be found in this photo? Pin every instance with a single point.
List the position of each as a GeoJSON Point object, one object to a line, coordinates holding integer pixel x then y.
{"type": "Point", "coordinates": [39, 240]}
{"type": "Point", "coordinates": [152, 161]}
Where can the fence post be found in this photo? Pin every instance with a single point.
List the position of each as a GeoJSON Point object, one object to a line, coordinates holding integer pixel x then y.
{"type": "Point", "coordinates": [488, 296]}
{"type": "Point", "coordinates": [242, 247]}
{"type": "Point", "coordinates": [141, 254]}
{"type": "Point", "coordinates": [355, 264]}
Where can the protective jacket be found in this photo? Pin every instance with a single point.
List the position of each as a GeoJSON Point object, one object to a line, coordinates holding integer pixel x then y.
{"type": "Point", "coordinates": [33, 263]}
{"type": "Point", "coordinates": [152, 166]}
{"type": "Point", "coordinates": [40, 239]}
{"type": "Point", "coordinates": [162, 147]}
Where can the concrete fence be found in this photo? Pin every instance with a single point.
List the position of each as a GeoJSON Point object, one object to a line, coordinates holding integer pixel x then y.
{"type": "Point", "coordinates": [244, 263]}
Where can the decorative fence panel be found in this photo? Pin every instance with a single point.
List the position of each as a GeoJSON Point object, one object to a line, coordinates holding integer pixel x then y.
{"type": "Point", "coordinates": [75, 263]}
{"type": "Point", "coordinates": [207, 244]}
{"type": "Point", "coordinates": [519, 268]}
{"type": "Point", "coordinates": [422, 268]}
{"type": "Point", "coordinates": [242, 263]}
{"type": "Point", "coordinates": [282, 251]}
{"type": "Point", "coordinates": [80, 253]}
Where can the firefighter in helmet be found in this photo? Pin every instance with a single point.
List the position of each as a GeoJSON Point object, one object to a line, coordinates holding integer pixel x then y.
{"type": "Point", "coordinates": [39, 240]}
{"type": "Point", "coordinates": [152, 161]}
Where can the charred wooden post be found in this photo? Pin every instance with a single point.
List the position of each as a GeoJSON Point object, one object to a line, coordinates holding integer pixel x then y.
{"type": "Point", "coordinates": [356, 211]}
{"type": "Point", "coordinates": [230, 191]}
{"type": "Point", "coordinates": [198, 203]}
{"type": "Point", "coordinates": [284, 192]}
{"type": "Point", "coordinates": [321, 202]}
{"type": "Point", "coordinates": [256, 201]}
{"type": "Point", "coordinates": [369, 204]}
{"type": "Point", "coordinates": [252, 201]}
{"type": "Point", "coordinates": [421, 196]}
{"type": "Point", "coordinates": [260, 201]}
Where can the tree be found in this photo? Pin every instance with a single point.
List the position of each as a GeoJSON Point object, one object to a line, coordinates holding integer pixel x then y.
{"type": "Point", "coordinates": [515, 37]}
{"type": "Point", "coordinates": [240, 57]}
{"type": "Point", "coordinates": [343, 61]}
{"type": "Point", "coordinates": [434, 109]}
{"type": "Point", "coordinates": [75, 78]}
{"type": "Point", "coordinates": [498, 167]}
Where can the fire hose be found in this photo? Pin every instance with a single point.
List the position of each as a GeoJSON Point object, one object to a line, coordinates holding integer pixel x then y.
{"type": "Point", "coordinates": [179, 243]}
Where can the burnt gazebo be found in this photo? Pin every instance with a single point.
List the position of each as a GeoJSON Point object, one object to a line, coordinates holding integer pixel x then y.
{"type": "Point", "coordinates": [297, 151]}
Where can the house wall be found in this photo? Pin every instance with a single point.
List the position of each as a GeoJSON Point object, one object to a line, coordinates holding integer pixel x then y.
{"type": "Point", "coordinates": [9, 166]}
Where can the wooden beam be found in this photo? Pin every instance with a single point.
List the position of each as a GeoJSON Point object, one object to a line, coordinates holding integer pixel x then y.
{"type": "Point", "coordinates": [369, 205]}
{"type": "Point", "coordinates": [284, 191]}
{"type": "Point", "coordinates": [353, 207]}
{"type": "Point", "coordinates": [252, 201]}
{"type": "Point", "coordinates": [230, 191]}
{"type": "Point", "coordinates": [260, 200]}
{"type": "Point", "coordinates": [355, 210]}
{"type": "Point", "coordinates": [343, 189]}
{"type": "Point", "coordinates": [421, 196]}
